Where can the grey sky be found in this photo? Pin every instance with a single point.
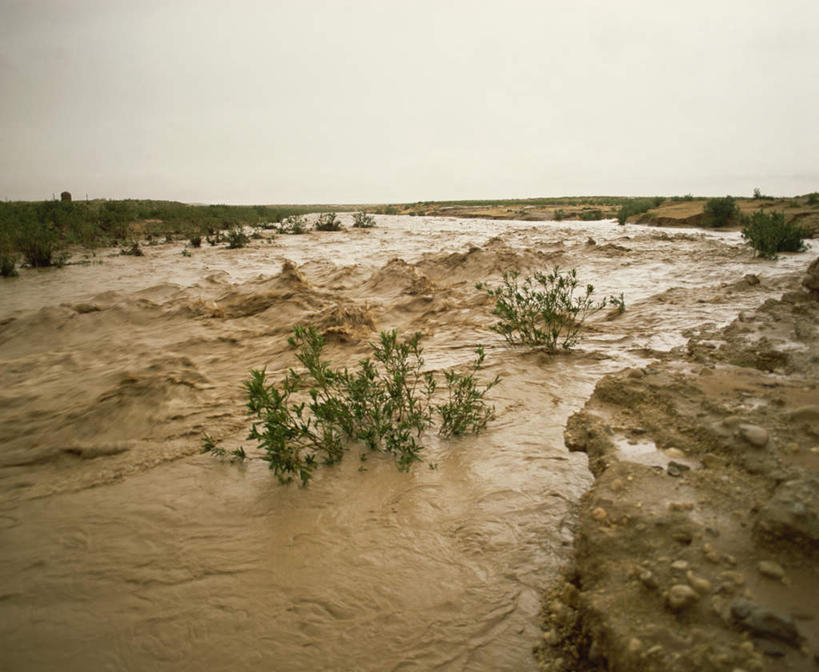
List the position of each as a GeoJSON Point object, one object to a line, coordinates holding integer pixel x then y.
{"type": "Point", "coordinates": [374, 101]}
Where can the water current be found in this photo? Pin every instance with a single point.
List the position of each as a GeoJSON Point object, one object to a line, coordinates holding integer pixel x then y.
{"type": "Point", "coordinates": [123, 547]}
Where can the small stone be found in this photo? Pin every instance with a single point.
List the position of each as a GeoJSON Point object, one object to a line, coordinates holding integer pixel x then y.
{"type": "Point", "coordinates": [733, 577]}
{"type": "Point", "coordinates": [681, 506]}
{"type": "Point", "coordinates": [765, 623]}
{"type": "Point", "coordinates": [679, 565]}
{"type": "Point", "coordinates": [599, 514]}
{"type": "Point", "coordinates": [680, 597]}
{"type": "Point", "coordinates": [805, 413]}
{"type": "Point", "coordinates": [647, 579]}
{"type": "Point", "coordinates": [792, 448]}
{"type": "Point", "coordinates": [747, 647]}
{"type": "Point", "coordinates": [701, 585]}
{"type": "Point", "coordinates": [754, 434]}
{"type": "Point", "coordinates": [710, 553]}
{"type": "Point", "coordinates": [634, 645]}
{"type": "Point", "coordinates": [674, 453]}
{"type": "Point", "coordinates": [730, 559]}
{"type": "Point", "coordinates": [654, 650]}
{"type": "Point", "coordinates": [617, 485]}
{"type": "Point", "coordinates": [677, 469]}
{"type": "Point", "coordinates": [773, 570]}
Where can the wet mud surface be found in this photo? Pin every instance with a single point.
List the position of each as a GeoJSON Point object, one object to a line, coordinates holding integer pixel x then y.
{"type": "Point", "coordinates": [123, 547]}
{"type": "Point", "coordinates": [698, 543]}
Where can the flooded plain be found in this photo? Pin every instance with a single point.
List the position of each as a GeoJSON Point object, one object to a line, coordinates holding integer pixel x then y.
{"type": "Point", "coordinates": [123, 547]}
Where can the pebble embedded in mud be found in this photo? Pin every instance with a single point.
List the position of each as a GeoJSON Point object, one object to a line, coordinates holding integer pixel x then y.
{"type": "Point", "coordinates": [681, 597]}
{"type": "Point", "coordinates": [599, 514]}
{"type": "Point", "coordinates": [754, 434]}
{"type": "Point", "coordinates": [698, 583]}
{"type": "Point", "coordinates": [772, 570]}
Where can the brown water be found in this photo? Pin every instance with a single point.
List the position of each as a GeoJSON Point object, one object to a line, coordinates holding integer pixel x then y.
{"type": "Point", "coordinates": [122, 547]}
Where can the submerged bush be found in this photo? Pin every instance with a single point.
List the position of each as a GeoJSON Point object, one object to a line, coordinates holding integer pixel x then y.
{"type": "Point", "coordinates": [133, 250]}
{"type": "Point", "coordinates": [465, 409]}
{"type": "Point", "coordinates": [385, 404]}
{"type": "Point", "coordinates": [293, 225]}
{"type": "Point", "coordinates": [328, 221]}
{"type": "Point", "coordinates": [236, 237]}
{"type": "Point", "coordinates": [720, 212]}
{"type": "Point", "coordinates": [541, 310]}
{"type": "Point", "coordinates": [768, 233]}
{"type": "Point", "coordinates": [8, 265]}
{"type": "Point", "coordinates": [361, 220]}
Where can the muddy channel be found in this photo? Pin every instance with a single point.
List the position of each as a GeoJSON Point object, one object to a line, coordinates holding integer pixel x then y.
{"type": "Point", "coordinates": [123, 547]}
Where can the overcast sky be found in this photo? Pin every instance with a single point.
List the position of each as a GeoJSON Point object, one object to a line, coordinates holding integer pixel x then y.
{"type": "Point", "coordinates": [306, 101]}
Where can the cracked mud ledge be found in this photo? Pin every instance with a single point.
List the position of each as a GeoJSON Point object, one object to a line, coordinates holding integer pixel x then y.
{"type": "Point", "coordinates": [697, 545]}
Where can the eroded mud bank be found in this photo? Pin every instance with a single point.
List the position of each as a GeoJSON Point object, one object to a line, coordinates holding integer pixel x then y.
{"type": "Point", "coordinates": [698, 542]}
{"type": "Point", "coordinates": [123, 547]}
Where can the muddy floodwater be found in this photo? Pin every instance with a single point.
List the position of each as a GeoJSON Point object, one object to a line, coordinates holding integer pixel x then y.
{"type": "Point", "coordinates": [123, 547]}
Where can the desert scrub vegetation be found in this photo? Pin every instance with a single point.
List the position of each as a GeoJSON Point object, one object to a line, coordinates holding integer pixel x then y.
{"type": "Point", "coordinates": [361, 220]}
{"type": "Point", "coordinates": [236, 237]}
{"type": "Point", "coordinates": [39, 231]}
{"type": "Point", "coordinates": [465, 409]}
{"type": "Point", "coordinates": [637, 206]}
{"type": "Point", "coordinates": [293, 225]}
{"type": "Point", "coordinates": [385, 404]}
{"type": "Point", "coordinates": [719, 212]}
{"type": "Point", "coordinates": [543, 309]}
{"type": "Point", "coordinates": [327, 221]}
{"type": "Point", "coordinates": [768, 233]}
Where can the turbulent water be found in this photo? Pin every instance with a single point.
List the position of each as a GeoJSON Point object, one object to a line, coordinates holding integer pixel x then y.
{"type": "Point", "coordinates": [123, 547]}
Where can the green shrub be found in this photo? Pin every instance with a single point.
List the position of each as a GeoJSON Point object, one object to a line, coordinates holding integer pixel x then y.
{"type": "Point", "coordinates": [293, 225]}
{"type": "Point", "coordinates": [813, 198]}
{"type": "Point", "coordinates": [591, 215]}
{"type": "Point", "coordinates": [236, 237]}
{"type": "Point", "coordinates": [8, 264]}
{"type": "Point", "coordinates": [768, 233]}
{"type": "Point", "coordinates": [720, 212]}
{"type": "Point", "coordinates": [559, 215]}
{"type": "Point", "coordinates": [541, 310]}
{"type": "Point", "coordinates": [385, 404]}
{"type": "Point", "coordinates": [195, 240]}
{"type": "Point", "coordinates": [39, 242]}
{"type": "Point", "coordinates": [636, 206]}
{"type": "Point", "coordinates": [465, 409]}
{"type": "Point", "coordinates": [361, 220]}
{"type": "Point", "coordinates": [133, 250]}
{"type": "Point", "coordinates": [328, 221]}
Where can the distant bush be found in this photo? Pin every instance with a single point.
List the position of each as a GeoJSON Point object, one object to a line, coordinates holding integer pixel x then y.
{"type": "Point", "coordinates": [720, 212]}
{"type": "Point", "coordinates": [8, 264]}
{"type": "Point", "coordinates": [236, 237]}
{"type": "Point", "coordinates": [768, 233]}
{"type": "Point", "coordinates": [361, 220]}
{"type": "Point", "coordinates": [637, 206]}
{"type": "Point", "coordinates": [813, 198]}
{"type": "Point", "coordinates": [687, 197]}
{"type": "Point", "coordinates": [328, 221]}
{"type": "Point", "coordinates": [293, 225]}
{"type": "Point", "coordinates": [39, 242]}
{"type": "Point", "coordinates": [541, 310]}
{"type": "Point", "coordinates": [195, 241]}
{"type": "Point", "coordinates": [559, 215]}
{"type": "Point", "coordinates": [592, 215]}
{"type": "Point", "coordinates": [133, 250]}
